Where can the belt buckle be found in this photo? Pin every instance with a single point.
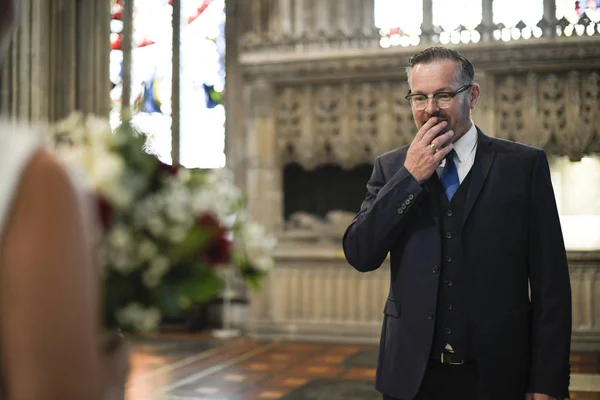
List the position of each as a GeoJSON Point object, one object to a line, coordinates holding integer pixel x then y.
{"type": "Point", "coordinates": [449, 362]}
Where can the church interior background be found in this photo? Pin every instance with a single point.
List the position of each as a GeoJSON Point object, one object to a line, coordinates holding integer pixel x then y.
{"type": "Point", "coordinates": [280, 107]}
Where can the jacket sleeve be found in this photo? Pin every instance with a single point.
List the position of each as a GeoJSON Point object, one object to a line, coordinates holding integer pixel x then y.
{"type": "Point", "coordinates": [379, 222]}
{"type": "Point", "coordinates": [550, 290]}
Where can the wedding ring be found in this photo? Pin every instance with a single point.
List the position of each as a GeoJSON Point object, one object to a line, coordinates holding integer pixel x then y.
{"type": "Point", "coordinates": [434, 147]}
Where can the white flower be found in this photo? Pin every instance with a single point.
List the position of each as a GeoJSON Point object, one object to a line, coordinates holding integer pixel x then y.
{"type": "Point", "coordinates": [105, 168]}
{"type": "Point", "coordinates": [117, 193]}
{"type": "Point", "coordinates": [141, 318]}
{"type": "Point", "coordinates": [176, 201]}
{"type": "Point", "coordinates": [123, 262]}
{"type": "Point", "coordinates": [119, 250]}
{"type": "Point", "coordinates": [72, 126]}
{"type": "Point", "coordinates": [119, 237]}
{"type": "Point", "coordinates": [177, 234]}
{"type": "Point", "coordinates": [264, 263]}
{"type": "Point", "coordinates": [157, 269]}
{"type": "Point", "coordinates": [98, 128]}
{"type": "Point", "coordinates": [258, 245]}
{"type": "Point", "coordinates": [156, 226]}
{"type": "Point", "coordinates": [146, 250]}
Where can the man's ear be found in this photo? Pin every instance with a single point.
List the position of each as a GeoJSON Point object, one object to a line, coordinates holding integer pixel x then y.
{"type": "Point", "coordinates": [474, 94]}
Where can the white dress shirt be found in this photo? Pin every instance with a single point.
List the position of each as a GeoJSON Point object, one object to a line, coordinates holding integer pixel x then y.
{"type": "Point", "coordinates": [464, 154]}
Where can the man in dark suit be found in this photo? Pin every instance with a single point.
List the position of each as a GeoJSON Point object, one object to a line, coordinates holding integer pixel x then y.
{"type": "Point", "coordinates": [479, 305]}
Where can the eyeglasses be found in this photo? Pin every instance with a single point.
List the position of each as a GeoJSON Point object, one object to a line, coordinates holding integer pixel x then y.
{"type": "Point", "coordinates": [441, 99]}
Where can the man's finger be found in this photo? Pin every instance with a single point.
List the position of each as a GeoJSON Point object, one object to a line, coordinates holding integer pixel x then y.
{"type": "Point", "coordinates": [443, 152]}
{"type": "Point", "coordinates": [433, 132]}
{"type": "Point", "coordinates": [426, 126]}
{"type": "Point", "coordinates": [441, 140]}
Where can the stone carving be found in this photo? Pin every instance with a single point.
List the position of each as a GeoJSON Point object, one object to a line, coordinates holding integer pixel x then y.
{"type": "Point", "coordinates": [350, 123]}
{"type": "Point", "coordinates": [403, 123]}
{"type": "Point", "coordinates": [345, 124]}
{"type": "Point", "coordinates": [510, 107]}
{"type": "Point", "coordinates": [557, 112]}
{"type": "Point", "coordinates": [289, 119]}
{"type": "Point", "coordinates": [305, 227]}
{"type": "Point", "coordinates": [590, 105]}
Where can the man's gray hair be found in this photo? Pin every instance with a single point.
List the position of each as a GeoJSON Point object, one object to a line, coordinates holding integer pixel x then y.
{"type": "Point", "coordinates": [465, 70]}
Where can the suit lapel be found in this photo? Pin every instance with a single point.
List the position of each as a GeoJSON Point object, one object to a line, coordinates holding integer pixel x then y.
{"type": "Point", "coordinates": [484, 157]}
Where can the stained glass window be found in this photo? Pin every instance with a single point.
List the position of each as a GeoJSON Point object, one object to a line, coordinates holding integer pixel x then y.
{"type": "Point", "coordinates": [573, 12]}
{"type": "Point", "coordinates": [202, 78]}
{"type": "Point", "coordinates": [399, 21]}
{"type": "Point", "coordinates": [455, 21]}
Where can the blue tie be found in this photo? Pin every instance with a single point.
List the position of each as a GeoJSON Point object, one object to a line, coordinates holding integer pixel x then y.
{"type": "Point", "coordinates": [449, 176]}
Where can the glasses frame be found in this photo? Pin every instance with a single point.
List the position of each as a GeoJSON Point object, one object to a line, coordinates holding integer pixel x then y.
{"type": "Point", "coordinates": [453, 94]}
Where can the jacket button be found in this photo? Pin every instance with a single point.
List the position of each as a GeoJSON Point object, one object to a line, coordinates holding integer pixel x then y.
{"type": "Point", "coordinates": [449, 282]}
{"type": "Point", "coordinates": [449, 213]}
{"type": "Point", "coordinates": [435, 269]}
{"type": "Point", "coordinates": [400, 211]}
{"type": "Point", "coordinates": [448, 235]}
{"type": "Point", "coordinates": [430, 316]}
{"type": "Point", "coordinates": [403, 206]}
{"type": "Point", "coordinates": [448, 331]}
{"type": "Point", "coordinates": [407, 202]}
{"type": "Point", "coordinates": [449, 307]}
{"type": "Point", "coordinates": [411, 197]}
{"type": "Point", "coordinates": [448, 258]}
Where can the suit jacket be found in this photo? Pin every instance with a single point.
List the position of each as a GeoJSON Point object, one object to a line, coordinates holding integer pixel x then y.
{"type": "Point", "coordinates": [512, 245]}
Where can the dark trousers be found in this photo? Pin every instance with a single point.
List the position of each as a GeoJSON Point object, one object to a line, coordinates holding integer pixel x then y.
{"type": "Point", "coordinates": [449, 382]}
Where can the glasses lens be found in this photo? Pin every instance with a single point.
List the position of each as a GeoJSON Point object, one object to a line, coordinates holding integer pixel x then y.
{"type": "Point", "coordinates": [443, 100]}
{"type": "Point", "coordinates": [419, 102]}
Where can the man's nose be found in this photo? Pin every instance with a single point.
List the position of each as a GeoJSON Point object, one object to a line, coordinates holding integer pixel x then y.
{"type": "Point", "coordinates": [432, 106]}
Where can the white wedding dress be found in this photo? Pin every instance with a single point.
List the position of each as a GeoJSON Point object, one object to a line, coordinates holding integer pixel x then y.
{"type": "Point", "coordinates": [18, 144]}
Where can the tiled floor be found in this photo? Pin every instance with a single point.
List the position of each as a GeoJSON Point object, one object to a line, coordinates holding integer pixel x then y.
{"type": "Point", "coordinates": [200, 368]}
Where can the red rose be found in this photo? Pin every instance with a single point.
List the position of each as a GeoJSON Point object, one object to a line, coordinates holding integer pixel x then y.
{"type": "Point", "coordinates": [169, 169]}
{"type": "Point", "coordinates": [218, 249]}
{"type": "Point", "coordinates": [104, 210]}
{"type": "Point", "coordinates": [208, 221]}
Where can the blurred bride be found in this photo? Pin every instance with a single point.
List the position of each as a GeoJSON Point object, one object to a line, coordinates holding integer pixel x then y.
{"type": "Point", "coordinates": [50, 336]}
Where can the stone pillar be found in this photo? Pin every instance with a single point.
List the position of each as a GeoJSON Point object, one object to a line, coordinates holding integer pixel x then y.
{"type": "Point", "coordinates": [263, 174]}
{"type": "Point", "coordinates": [58, 61]}
{"type": "Point", "coordinates": [487, 20]}
{"type": "Point", "coordinates": [238, 23]}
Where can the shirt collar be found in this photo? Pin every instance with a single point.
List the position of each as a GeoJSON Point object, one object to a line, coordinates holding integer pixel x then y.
{"type": "Point", "coordinates": [464, 146]}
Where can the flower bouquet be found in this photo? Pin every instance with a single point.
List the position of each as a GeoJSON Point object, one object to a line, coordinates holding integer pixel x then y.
{"type": "Point", "coordinates": [165, 230]}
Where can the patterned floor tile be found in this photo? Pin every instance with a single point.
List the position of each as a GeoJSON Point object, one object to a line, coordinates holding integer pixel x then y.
{"type": "Point", "coordinates": [361, 373]}
{"type": "Point", "coordinates": [329, 389]}
{"type": "Point", "coordinates": [362, 359]}
{"type": "Point", "coordinates": [287, 381]}
{"type": "Point", "coordinates": [316, 370]}
{"type": "Point", "coordinates": [248, 370]}
{"type": "Point", "coordinates": [584, 396]}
